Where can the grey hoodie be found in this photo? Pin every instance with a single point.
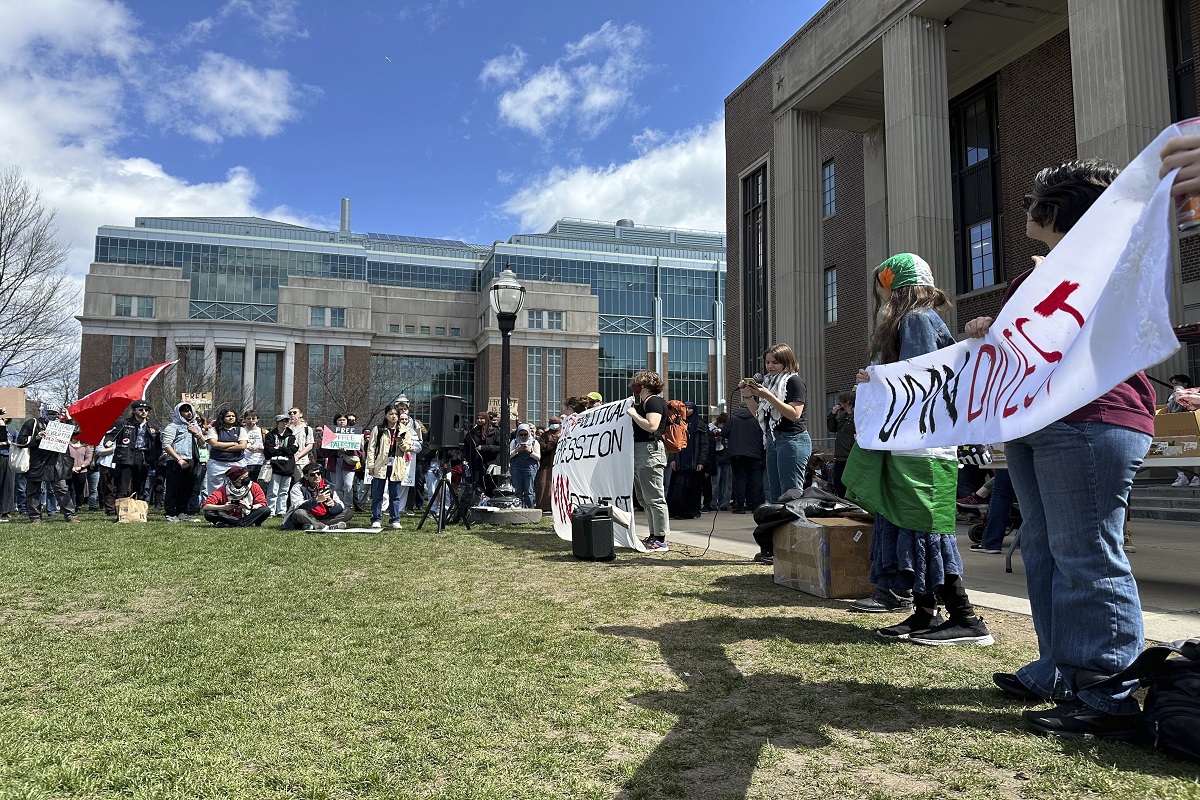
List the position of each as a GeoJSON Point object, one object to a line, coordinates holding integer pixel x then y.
{"type": "Point", "coordinates": [177, 436]}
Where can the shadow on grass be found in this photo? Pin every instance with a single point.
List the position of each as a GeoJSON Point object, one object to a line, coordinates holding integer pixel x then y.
{"type": "Point", "coordinates": [556, 549]}
{"type": "Point", "coordinates": [725, 718]}
{"type": "Point", "coordinates": [758, 589]}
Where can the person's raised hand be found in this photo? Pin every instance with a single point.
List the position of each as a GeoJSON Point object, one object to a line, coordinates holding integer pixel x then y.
{"type": "Point", "coordinates": [1182, 153]}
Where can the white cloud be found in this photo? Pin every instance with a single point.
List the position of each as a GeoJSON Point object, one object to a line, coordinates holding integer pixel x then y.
{"type": "Point", "coordinates": [70, 76]}
{"type": "Point", "coordinates": [591, 84]}
{"type": "Point", "coordinates": [538, 102]}
{"type": "Point", "coordinates": [274, 20]}
{"type": "Point", "coordinates": [503, 68]}
{"type": "Point", "coordinates": [227, 97]}
{"type": "Point", "coordinates": [679, 182]}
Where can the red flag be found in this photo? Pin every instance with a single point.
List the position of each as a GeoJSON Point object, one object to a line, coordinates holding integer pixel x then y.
{"type": "Point", "coordinates": [101, 409]}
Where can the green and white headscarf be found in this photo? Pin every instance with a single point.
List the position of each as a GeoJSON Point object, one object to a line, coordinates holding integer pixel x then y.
{"type": "Point", "coordinates": [904, 269]}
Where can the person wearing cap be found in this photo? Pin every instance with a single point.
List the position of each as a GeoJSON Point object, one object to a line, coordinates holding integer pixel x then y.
{"type": "Point", "coordinates": [525, 455]}
{"type": "Point", "coordinates": [279, 448]}
{"type": "Point", "coordinates": [137, 448]}
{"type": "Point", "coordinates": [45, 467]}
{"type": "Point", "coordinates": [239, 503]}
{"type": "Point", "coordinates": [594, 399]}
{"type": "Point", "coordinates": [314, 506]}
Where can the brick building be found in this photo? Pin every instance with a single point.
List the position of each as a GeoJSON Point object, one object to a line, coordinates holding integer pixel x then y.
{"type": "Point", "coordinates": [270, 315]}
{"type": "Point", "coordinates": [885, 126]}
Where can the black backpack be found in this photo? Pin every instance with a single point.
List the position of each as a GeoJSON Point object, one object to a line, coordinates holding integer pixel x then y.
{"type": "Point", "coordinates": [1171, 711]}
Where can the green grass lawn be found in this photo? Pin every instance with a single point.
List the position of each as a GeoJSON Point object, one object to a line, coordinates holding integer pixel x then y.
{"type": "Point", "coordinates": [182, 661]}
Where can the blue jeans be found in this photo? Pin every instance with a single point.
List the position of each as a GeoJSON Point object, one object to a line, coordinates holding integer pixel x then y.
{"type": "Point", "coordinates": [722, 486]}
{"type": "Point", "coordinates": [1073, 481]}
{"type": "Point", "coordinates": [523, 471]}
{"type": "Point", "coordinates": [397, 499]}
{"type": "Point", "coordinates": [999, 508]}
{"type": "Point", "coordinates": [787, 458]}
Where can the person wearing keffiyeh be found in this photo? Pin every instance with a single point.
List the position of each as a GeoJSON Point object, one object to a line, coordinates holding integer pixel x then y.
{"type": "Point", "coordinates": [240, 503]}
{"type": "Point", "coordinates": [781, 405]}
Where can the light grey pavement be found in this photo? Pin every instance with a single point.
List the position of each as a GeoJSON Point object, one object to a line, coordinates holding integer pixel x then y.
{"type": "Point", "coordinates": [1166, 565]}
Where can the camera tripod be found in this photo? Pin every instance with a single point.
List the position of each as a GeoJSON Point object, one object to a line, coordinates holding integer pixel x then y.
{"type": "Point", "coordinates": [442, 492]}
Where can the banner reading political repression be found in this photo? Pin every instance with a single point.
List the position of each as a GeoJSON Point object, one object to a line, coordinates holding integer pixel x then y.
{"type": "Point", "coordinates": [594, 464]}
{"type": "Point", "coordinates": [1093, 313]}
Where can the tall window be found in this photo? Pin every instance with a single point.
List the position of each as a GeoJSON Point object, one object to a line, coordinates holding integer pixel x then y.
{"type": "Point", "coordinates": [533, 385]}
{"type": "Point", "coordinates": [326, 370]}
{"type": "Point", "coordinates": [975, 181]}
{"type": "Point", "coordinates": [754, 268]}
{"type": "Point", "coordinates": [229, 378]}
{"type": "Point", "coordinates": [687, 370]}
{"type": "Point", "coordinates": [129, 354]}
{"type": "Point", "coordinates": [265, 377]}
{"type": "Point", "coordinates": [828, 185]}
{"type": "Point", "coordinates": [831, 295]}
{"type": "Point", "coordinates": [554, 381]}
{"type": "Point", "coordinates": [1183, 59]}
{"type": "Point", "coordinates": [316, 316]}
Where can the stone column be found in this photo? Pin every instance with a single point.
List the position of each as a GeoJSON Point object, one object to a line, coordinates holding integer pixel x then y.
{"type": "Point", "coordinates": [1119, 74]}
{"type": "Point", "coordinates": [249, 356]}
{"type": "Point", "coordinates": [171, 353]}
{"type": "Point", "coordinates": [797, 303]}
{"type": "Point", "coordinates": [916, 108]}
{"type": "Point", "coordinates": [1122, 99]}
{"type": "Point", "coordinates": [289, 373]}
{"type": "Point", "coordinates": [875, 200]}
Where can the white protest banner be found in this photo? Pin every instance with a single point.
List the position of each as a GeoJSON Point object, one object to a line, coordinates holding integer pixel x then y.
{"type": "Point", "coordinates": [1094, 312]}
{"type": "Point", "coordinates": [57, 436]}
{"type": "Point", "coordinates": [594, 464]}
{"type": "Point", "coordinates": [342, 437]}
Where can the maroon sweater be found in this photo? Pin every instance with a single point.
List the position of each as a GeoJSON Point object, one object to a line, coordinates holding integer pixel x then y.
{"type": "Point", "coordinates": [1129, 404]}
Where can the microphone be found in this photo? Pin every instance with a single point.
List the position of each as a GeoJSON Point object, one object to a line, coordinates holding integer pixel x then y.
{"type": "Point", "coordinates": [758, 377]}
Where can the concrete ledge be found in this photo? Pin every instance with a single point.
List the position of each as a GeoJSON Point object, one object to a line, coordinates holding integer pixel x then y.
{"type": "Point", "coordinates": [490, 515]}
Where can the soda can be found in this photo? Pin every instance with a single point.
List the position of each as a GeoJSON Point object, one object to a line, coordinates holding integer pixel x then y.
{"type": "Point", "coordinates": [1187, 207]}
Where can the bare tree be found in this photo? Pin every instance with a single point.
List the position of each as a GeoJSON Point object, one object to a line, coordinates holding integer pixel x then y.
{"type": "Point", "coordinates": [38, 334]}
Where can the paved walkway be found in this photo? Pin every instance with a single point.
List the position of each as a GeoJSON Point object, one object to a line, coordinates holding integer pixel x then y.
{"type": "Point", "coordinates": [1164, 565]}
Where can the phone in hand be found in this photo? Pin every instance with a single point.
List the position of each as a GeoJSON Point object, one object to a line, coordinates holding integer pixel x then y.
{"type": "Point", "coordinates": [749, 382]}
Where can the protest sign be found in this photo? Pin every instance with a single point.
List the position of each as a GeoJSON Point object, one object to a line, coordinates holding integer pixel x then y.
{"type": "Point", "coordinates": [198, 400]}
{"type": "Point", "coordinates": [342, 437]}
{"type": "Point", "coordinates": [1094, 312]}
{"type": "Point", "coordinates": [57, 436]}
{"type": "Point", "coordinates": [593, 464]}
{"type": "Point", "coordinates": [493, 405]}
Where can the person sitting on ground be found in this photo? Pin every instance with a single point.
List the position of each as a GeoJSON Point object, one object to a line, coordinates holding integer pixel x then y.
{"type": "Point", "coordinates": [240, 503]}
{"type": "Point", "coordinates": [314, 505]}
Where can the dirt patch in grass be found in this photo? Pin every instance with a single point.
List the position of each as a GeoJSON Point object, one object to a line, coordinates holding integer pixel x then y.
{"type": "Point", "coordinates": [150, 603]}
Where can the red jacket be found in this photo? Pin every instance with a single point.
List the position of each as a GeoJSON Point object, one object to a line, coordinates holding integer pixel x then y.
{"type": "Point", "coordinates": [221, 497]}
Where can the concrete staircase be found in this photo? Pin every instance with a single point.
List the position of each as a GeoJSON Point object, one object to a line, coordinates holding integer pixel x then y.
{"type": "Point", "coordinates": [1161, 501]}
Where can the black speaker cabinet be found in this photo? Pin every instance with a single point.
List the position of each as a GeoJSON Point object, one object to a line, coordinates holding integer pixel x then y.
{"type": "Point", "coordinates": [448, 423]}
{"type": "Point", "coordinates": [592, 533]}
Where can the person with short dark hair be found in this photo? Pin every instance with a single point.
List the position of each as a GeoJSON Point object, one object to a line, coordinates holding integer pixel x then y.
{"type": "Point", "coordinates": [279, 448]}
{"type": "Point", "coordinates": [1073, 479]}
{"type": "Point", "coordinates": [46, 467]}
{"type": "Point", "coordinates": [239, 503]}
{"type": "Point", "coordinates": [840, 422]}
{"type": "Point", "coordinates": [226, 444]}
{"type": "Point", "coordinates": [314, 505]}
{"type": "Point", "coordinates": [482, 448]}
{"type": "Point", "coordinates": [388, 462]}
{"type": "Point", "coordinates": [781, 404]}
{"type": "Point", "coordinates": [649, 413]}
{"type": "Point", "coordinates": [137, 449]}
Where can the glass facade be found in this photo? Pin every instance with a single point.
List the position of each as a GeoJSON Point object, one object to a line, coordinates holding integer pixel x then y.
{"type": "Point", "coordinates": [326, 381]}
{"type": "Point", "coordinates": [620, 357]}
{"type": "Point", "coordinates": [420, 379]}
{"type": "Point", "coordinates": [687, 371]}
{"type": "Point", "coordinates": [129, 354]}
{"type": "Point", "coordinates": [266, 376]}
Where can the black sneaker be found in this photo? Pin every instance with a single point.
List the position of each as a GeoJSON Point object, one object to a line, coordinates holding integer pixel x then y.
{"type": "Point", "coordinates": [1075, 719]}
{"type": "Point", "coordinates": [979, 548]}
{"type": "Point", "coordinates": [764, 558]}
{"type": "Point", "coordinates": [918, 622]}
{"type": "Point", "coordinates": [882, 602]}
{"type": "Point", "coordinates": [1012, 686]}
{"type": "Point", "coordinates": [955, 632]}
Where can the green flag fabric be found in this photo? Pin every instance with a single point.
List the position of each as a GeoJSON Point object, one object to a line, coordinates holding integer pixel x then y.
{"type": "Point", "coordinates": [914, 489]}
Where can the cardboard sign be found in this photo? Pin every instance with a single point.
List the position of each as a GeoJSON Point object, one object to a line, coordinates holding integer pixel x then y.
{"type": "Point", "coordinates": [198, 401]}
{"type": "Point", "coordinates": [494, 405]}
{"type": "Point", "coordinates": [57, 437]}
{"type": "Point", "coordinates": [342, 437]}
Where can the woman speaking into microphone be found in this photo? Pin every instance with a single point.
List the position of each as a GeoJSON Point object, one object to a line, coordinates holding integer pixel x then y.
{"type": "Point", "coordinates": [779, 403]}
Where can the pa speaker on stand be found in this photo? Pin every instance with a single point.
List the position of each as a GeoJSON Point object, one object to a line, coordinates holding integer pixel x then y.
{"type": "Point", "coordinates": [448, 424]}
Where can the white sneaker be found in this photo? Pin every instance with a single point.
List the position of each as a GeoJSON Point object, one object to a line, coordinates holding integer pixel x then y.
{"type": "Point", "coordinates": [376, 525]}
{"type": "Point", "coordinates": [1195, 484]}
{"type": "Point", "coordinates": [169, 519]}
{"type": "Point", "coordinates": [396, 524]}
{"type": "Point", "coordinates": [1180, 482]}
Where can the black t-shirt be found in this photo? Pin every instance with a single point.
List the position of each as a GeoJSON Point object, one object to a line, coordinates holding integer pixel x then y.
{"type": "Point", "coordinates": [653, 405]}
{"type": "Point", "coordinates": [795, 391]}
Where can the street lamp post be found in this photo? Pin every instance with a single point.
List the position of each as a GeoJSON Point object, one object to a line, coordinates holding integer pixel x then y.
{"type": "Point", "coordinates": [507, 296]}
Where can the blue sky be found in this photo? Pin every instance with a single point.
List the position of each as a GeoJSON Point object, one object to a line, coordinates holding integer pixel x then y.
{"type": "Point", "coordinates": [452, 118]}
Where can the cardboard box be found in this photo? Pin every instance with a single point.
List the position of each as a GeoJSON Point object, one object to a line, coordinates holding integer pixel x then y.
{"type": "Point", "coordinates": [825, 557]}
{"type": "Point", "coordinates": [1186, 423]}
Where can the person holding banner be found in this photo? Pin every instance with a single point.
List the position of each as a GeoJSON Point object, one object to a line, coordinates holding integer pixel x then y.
{"type": "Point", "coordinates": [341, 462]}
{"type": "Point", "coordinates": [649, 412]}
{"type": "Point", "coordinates": [1072, 479]}
{"type": "Point", "coordinates": [914, 552]}
{"type": "Point", "coordinates": [46, 466]}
